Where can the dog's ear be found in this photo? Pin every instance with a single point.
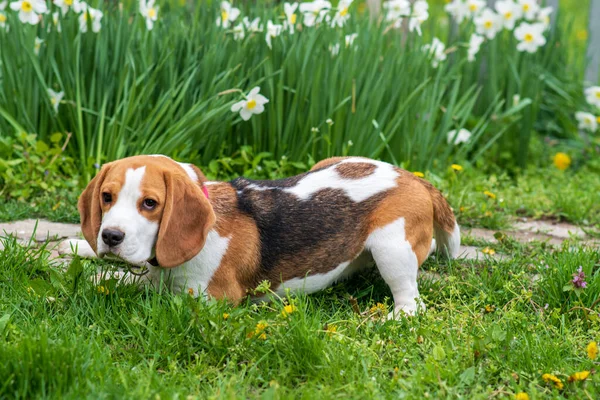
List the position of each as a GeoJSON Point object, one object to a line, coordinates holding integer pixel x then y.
{"type": "Point", "coordinates": [187, 218]}
{"type": "Point", "coordinates": [90, 209]}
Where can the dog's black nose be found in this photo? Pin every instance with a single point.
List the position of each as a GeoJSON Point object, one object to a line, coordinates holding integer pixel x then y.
{"type": "Point", "coordinates": [112, 237]}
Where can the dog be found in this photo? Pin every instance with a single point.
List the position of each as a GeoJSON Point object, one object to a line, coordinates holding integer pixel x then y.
{"type": "Point", "coordinates": [222, 239]}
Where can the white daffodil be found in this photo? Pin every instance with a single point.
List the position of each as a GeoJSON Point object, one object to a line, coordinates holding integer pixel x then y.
{"type": "Point", "coordinates": [252, 26]}
{"type": "Point", "coordinates": [55, 98]}
{"type": "Point", "coordinates": [531, 36]}
{"type": "Point", "coordinates": [79, 6]}
{"type": "Point", "coordinates": [228, 15]}
{"type": "Point", "coordinates": [544, 16]}
{"type": "Point", "coordinates": [349, 39]}
{"type": "Point", "coordinates": [420, 13]}
{"type": "Point", "coordinates": [509, 11]}
{"type": "Point", "coordinates": [529, 8]}
{"type": "Point", "coordinates": [3, 15]}
{"type": "Point", "coordinates": [290, 17]}
{"type": "Point", "coordinates": [254, 104]}
{"type": "Point", "coordinates": [458, 9]}
{"type": "Point", "coordinates": [586, 121]}
{"type": "Point", "coordinates": [334, 49]}
{"type": "Point", "coordinates": [239, 33]}
{"type": "Point", "coordinates": [474, 46]}
{"type": "Point", "coordinates": [150, 12]}
{"type": "Point", "coordinates": [314, 12]}
{"type": "Point", "coordinates": [396, 10]}
{"type": "Point", "coordinates": [437, 50]}
{"type": "Point", "coordinates": [592, 96]}
{"type": "Point", "coordinates": [475, 6]}
{"type": "Point", "coordinates": [66, 5]}
{"type": "Point", "coordinates": [55, 21]}
{"type": "Point", "coordinates": [273, 30]}
{"type": "Point", "coordinates": [488, 23]}
{"type": "Point", "coordinates": [37, 45]}
{"type": "Point", "coordinates": [29, 10]}
{"type": "Point", "coordinates": [92, 15]}
{"type": "Point", "coordinates": [341, 15]}
{"type": "Point", "coordinates": [463, 136]}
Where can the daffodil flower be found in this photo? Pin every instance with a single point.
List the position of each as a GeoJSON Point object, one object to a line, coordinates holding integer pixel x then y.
{"type": "Point", "coordinates": [93, 16]}
{"type": "Point", "coordinates": [29, 10]}
{"type": "Point", "coordinates": [509, 12]}
{"type": "Point", "coordinates": [529, 8]}
{"type": "Point", "coordinates": [239, 33]}
{"type": "Point", "coordinates": [586, 121]}
{"type": "Point", "coordinates": [289, 10]}
{"type": "Point", "coordinates": [488, 23]}
{"type": "Point", "coordinates": [3, 15]}
{"type": "Point", "coordinates": [56, 21]}
{"type": "Point", "coordinates": [341, 15]}
{"type": "Point", "coordinates": [592, 96]}
{"type": "Point", "coordinates": [150, 12]}
{"type": "Point", "coordinates": [228, 14]}
{"type": "Point", "coordinates": [66, 5]}
{"type": "Point", "coordinates": [252, 26]}
{"type": "Point", "coordinates": [37, 45]}
{"type": "Point", "coordinates": [314, 12]}
{"type": "Point", "coordinates": [437, 50]}
{"type": "Point", "coordinates": [475, 6]}
{"type": "Point", "coordinates": [254, 104]}
{"type": "Point", "coordinates": [531, 36]}
{"type": "Point", "coordinates": [334, 49]}
{"type": "Point", "coordinates": [55, 98]}
{"type": "Point", "coordinates": [420, 13]}
{"type": "Point", "coordinates": [273, 30]}
{"type": "Point", "coordinates": [543, 16]}
{"type": "Point", "coordinates": [462, 136]}
{"type": "Point", "coordinates": [458, 9]}
{"type": "Point", "coordinates": [349, 39]}
{"type": "Point", "coordinates": [474, 46]}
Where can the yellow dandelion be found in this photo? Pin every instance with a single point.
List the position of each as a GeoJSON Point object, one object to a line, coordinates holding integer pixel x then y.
{"type": "Point", "coordinates": [598, 119]}
{"type": "Point", "coordinates": [378, 308]}
{"type": "Point", "coordinates": [225, 315]}
{"type": "Point", "coordinates": [488, 251]}
{"type": "Point", "coordinates": [103, 290]}
{"type": "Point", "coordinates": [554, 379]}
{"type": "Point", "coordinates": [261, 326]}
{"type": "Point", "coordinates": [330, 330]}
{"type": "Point", "coordinates": [521, 396]}
{"type": "Point", "coordinates": [456, 167]}
{"type": "Point", "coordinates": [418, 174]}
{"type": "Point", "coordinates": [592, 350]}
{"type": "Point", "coordinates": [190, 291]}
{"type": "Point", "coordinates": [579, 376]}
{"type": "Point", "coordinates": [287, 310]}
{"type": "Point", "coordinates": [562, 161]}
{"type": "Point", "coordinates": [462, 209]}
{"type": "Point", "coordinates": [263, 336]}
{"type": "Point", "coordinates": [489, 194]}
{"type": "Point", "coordinates": [490, 308]}
{"type": "Point", "coordinates": [488, 214]}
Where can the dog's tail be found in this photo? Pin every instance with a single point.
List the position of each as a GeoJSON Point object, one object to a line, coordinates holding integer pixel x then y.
{"type": "Point", "coordinates": [447, 232]}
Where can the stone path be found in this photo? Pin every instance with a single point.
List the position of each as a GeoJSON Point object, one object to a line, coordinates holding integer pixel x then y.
{"type": "Point", "coordinates": [523, 230]}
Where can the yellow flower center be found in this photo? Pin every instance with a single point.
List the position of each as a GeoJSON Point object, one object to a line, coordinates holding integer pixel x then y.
{"type": "Point", "coordinates": [598, 94]}
{"type": "Point", "coordinates": [528, 37]}
{"type": "Point", "coordinates": [508, 15]}
{"type": "Point", "coordinates": [26, 6]}
{"type": "Point", "coordinates": [344, 12]}
{"type": "Point", "coordinates": [473, 7]}
{"type": "Point", "coordinates": [52, 99]}
{"type": "Point", "coordinates": [2, 18]}
{"type": "Point", "coordinates": [488, 24]}
{"type": "Point", "coordinates": [251, 104]}
{"type": "Point", "coordinates": [293, 18]}
{"type": "Point", "coordinates": [562, 161]}
{"type": "Point", "coordinates": [69, 2]}
{"type": "Point", "coordinates": [526, 7]}
{"type": "Point", "coordinates": [224, 15]}
{"type": "Point", "coordinates": [152, 12]}
{"type": "Point", "coordinates": [597, 118]}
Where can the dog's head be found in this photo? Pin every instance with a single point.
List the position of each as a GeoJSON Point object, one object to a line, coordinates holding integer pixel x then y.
{"type": "Point", "coordinates": [143, 207]}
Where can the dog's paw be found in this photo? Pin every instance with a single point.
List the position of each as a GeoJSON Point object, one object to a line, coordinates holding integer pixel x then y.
{"type": "Point", "coordinates": [406, 310]}
{"type": "Point", "coordinates": [76, 246]}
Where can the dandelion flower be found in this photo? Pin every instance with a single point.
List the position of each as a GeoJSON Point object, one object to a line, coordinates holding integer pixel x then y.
{"type": "Point", "coordinates": [37, 45]}
{"type": "Point", "coordinates": [437, 50]}
{"type": "Point", "coordinates": [287, 310]}
{"type": "Point", "coordinates": [290, 16]}
{"type": "Point", "coordinates": [489, 251]}
{"type": "Point", "coordinates": [330, 329]}
{"type": "Point", "coordinates": [418, 174]}
{"type": "Point", "coordinates": [314, 12]}
{"type": "Point", "coordinates": [458, 9]}
{"type": "Point", "coordinates": [150, 12]}
{"type": "Point", "coordinates": [490, 308]}
{"type": "Point", "coordinates": [529, 8]}
{"type": "Point", "coordinates": [228, 15]}
{"type": "Point", "coordinates": [531, 36]}
{"type": "Point", "coordinates": [586, 121]}
{"type": "Point", "coordinates": [555, 380]}
{"type": "Point", "coordinates": [225, 316]}
{"type": "Point", "coordinates": [29, 10]}
{"type": "Point", "coordinates": [342, 15]}
{"type": "Point", "coordinates": [488, 23]}
{"type": "Point", "coordinates": [93, 16]}
{"type": "Point", "coordinates": [463, 136]}
{"type": "Point", "coordinates": [592, 96]}
{"type": "Point", "coordinates": [456, 167]}
{"type": "Point", "coordinates": [579, 376]}
{"type": "Point", "coordinates": [509, 12]}
{"type": "Point", "coordinates": [474, 46]}
{"type": "Point", "coordinates": [561, 161]}
{"type": "Point", "coordinates": [489, 194]}
{"type": "Point", "coordinates": [592, 350]}
{"type": "Point", "coordinates": [254, 104]}
{"type": "Point", "coordinates": [66, 5]}
{"type": "Point", "coordinates": [273, 30]}
{"type": "Point", "coordinates": [521, 396]}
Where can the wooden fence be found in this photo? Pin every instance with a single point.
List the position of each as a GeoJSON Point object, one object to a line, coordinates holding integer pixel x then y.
{"type": "Point", "coordinates": [593, 46]}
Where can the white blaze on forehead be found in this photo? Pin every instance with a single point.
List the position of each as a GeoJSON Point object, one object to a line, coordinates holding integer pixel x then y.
{"type": "Point", "coordinates": [382, 179]}
{"type": "Point", "coordinates": [131, 190]}
{"type": "Point", "coordinates": [189, 170]}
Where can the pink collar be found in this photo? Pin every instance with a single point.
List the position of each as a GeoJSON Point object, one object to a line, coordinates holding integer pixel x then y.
{"type": "Point", "coordinates": [205, 191]}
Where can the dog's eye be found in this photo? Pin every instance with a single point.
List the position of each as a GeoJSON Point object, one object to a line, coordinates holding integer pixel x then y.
{"type": "Point", "coordinates": [149, 204]}
{"type": "Point", "coordinates": [107, 198]}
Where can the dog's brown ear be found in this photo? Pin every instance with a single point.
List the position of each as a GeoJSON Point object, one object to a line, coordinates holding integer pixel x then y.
{"type": "Point", "coordinates": [187, 218]}
{"type": "Point", "coordinates": [89, 208]}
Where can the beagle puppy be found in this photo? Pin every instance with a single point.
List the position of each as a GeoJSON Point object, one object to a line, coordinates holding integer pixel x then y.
{"type": "Point", "coordinates": [222, 239]}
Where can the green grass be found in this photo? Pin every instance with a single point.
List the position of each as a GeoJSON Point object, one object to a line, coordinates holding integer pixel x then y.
{"type": "Point", "coordinates": [62, 337]}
